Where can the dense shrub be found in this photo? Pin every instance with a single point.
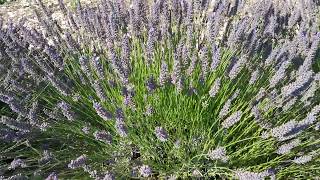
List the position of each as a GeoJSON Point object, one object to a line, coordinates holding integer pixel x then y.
{"type": "Point", "coordinates": [170, 89]}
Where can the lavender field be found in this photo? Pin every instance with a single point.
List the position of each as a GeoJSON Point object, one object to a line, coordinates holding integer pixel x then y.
{"type": "Point", "coordinates": [162, 89]}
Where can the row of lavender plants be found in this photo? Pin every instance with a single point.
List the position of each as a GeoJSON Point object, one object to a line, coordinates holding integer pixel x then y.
{"type": "Point", "coordinates": [165, 89]}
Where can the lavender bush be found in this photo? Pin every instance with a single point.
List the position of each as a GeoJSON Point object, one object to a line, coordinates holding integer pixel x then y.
{"type": "Point", "coordinates": [165, 89]}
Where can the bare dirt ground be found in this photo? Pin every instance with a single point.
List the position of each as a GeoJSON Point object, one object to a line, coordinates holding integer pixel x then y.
{"type": "Point", "coordinates": [16, 10]}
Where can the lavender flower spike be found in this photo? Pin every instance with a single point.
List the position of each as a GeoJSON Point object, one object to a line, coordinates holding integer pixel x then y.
{"type": "Point", "coordinates": [17, 163]}
{"type": "Point", "coordinates": [254, 77]}
{"type": "Point", "coordinates": [164, 73]}
{"type": "Point", "coordinates": [145, 171]}
{"type": "Point", "coordinates": [121, 129]}
{"type": "Point", "coordinates": [84, 64]}
{"type": "Point", "coordinates": [246, 175]}
{"type": "Point", "coordinates": [98, 67]}
{"type": "Point", "coordinates": [286, 148]}
{"type": "Point", "coordinates": [108, 176]}
{"type": "Point", "coordinates": [52, 176]}
{"type": "Point", "coordinates": [280, 74]}
{"type": "Point", "coordinates": [32, 115]}
{"type": "Point", "coordinates": [215, 87]}
{"type": "Point", "coordinates": [225, 109]}
{"type": "Point", "coordinates": [218, 154]}
{"type": "Point", "coordinates": [15, 125]}
{"type": "Point", "coordinates": [281, 132]}
{"type": "Point", "coordinates": [150, 46]}
{"type": "Point", "coordinates": [103, 113]}
{"type": "Point", "coordinates": [236, 68]}
{"type": "Point", "coordinates": [303, 159]}
{"type": "Point", "coordinates": [99, 90]}
{"type": "Point", "coordinates": [119, 115]}
{"type": "Point", "coordinates": [66, 110]}
{"type": "Point", "coordinates": [231, 120]}
{"type": "Point", "coordinates": [151, 84]}
{"type": "Point", "coordinates": [215, 58]}
{"type": "Point", "coordinates": [79, 162]}
{"type": "Point", "coordinates": [161, 134]}
{"type": "Point", "coordinates": [103, 136]}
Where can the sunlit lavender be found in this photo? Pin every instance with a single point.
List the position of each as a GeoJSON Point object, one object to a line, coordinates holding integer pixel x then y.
{"type": "Point", "coordinates": [163, 89]}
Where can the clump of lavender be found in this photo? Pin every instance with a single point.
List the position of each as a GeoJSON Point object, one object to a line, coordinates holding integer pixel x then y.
{"type": "Point", "coordinates": [212, 89]}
